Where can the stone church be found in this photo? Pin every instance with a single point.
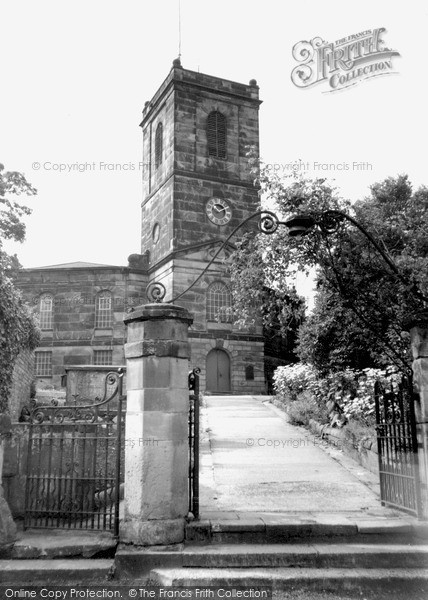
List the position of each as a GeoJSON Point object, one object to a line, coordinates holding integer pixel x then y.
{"type": "Point", "coordinates": [197, 188]}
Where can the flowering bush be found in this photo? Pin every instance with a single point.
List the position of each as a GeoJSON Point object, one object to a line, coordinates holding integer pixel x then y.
{"type": "Point", "coordinates": [359, 402]}
{"type": "Point", "coordinates": [292, 380]}
{"type": "Point", "coordinates": [352, 390]}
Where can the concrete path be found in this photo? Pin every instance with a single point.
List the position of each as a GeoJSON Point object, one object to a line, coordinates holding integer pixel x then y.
{"type": "Point", "coordinates": [253, 460]}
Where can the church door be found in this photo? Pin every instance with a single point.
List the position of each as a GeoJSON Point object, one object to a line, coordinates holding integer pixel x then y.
{"type": "Point", "coordinates": [218, 372]}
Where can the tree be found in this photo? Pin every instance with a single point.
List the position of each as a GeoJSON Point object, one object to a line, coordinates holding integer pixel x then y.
{"type": "Point", "coordinates": [331, 338]}
{"type": "Point", "coordinates": [362, 304]}
{"type": "Point", "coordinates": [18, 329]}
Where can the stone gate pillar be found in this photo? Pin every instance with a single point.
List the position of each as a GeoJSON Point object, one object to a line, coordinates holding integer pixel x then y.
{"type": "Point", "coordinates": [419, 343]}
{"type": "Point", "coordinates": [156, 456]}
{"type": "Point", "coordinates": [7, 526]}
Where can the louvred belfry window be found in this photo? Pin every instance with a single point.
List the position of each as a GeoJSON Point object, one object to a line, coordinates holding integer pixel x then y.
{"type": "Point", "coordinates": [216, 134]}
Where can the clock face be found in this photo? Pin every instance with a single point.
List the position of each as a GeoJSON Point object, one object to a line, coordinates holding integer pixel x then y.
{"type": "Point", "coordinates": [218, 211]}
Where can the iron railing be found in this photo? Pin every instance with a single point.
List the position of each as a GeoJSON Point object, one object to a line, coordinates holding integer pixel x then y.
{"type": "Point", "coordinates": [398, 446]}
{"type": "Point", "coordinates": [194, 442]}
{"type": "Point", "coordinates": [74, 463]}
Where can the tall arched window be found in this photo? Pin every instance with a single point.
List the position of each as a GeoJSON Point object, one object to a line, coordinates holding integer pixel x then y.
{"type": "Point", "coordinates": [216, 134]}
{"type": "Point", "coordinates": [103, 310]}
{"type": "Point", "coordinates": [46, 312]}
{"type": "Point", "coordinates": [218, 301]}
{"type": "Point", "coordinates": [158, 145]}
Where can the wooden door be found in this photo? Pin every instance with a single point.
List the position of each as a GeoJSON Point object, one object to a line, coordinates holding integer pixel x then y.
{"type": "Point", "coordinates": [218, 372]}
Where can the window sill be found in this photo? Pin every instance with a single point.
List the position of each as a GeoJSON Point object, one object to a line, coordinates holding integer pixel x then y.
{"type": "Point", "coordinates": [213, 325]}
{"type": "Point", "coordinates": [103, 332]}
{"type": "Point", "coordinates": [46, 333]}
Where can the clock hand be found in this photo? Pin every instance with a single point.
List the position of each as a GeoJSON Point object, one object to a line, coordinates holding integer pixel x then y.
{"type": "Point", "coordinates": [220, 210]}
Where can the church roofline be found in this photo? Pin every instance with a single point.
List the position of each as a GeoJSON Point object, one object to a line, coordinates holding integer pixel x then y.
{"type": "Point", "coordinates": [80, 265]}
{"type": "Point", "coordinates": [74, 265]}
{"type": "Point", "coordinates": [179, 75]}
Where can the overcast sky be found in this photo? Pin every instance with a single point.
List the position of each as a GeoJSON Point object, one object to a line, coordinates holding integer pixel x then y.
{"type": "Point", "coordinates": [75, 76]}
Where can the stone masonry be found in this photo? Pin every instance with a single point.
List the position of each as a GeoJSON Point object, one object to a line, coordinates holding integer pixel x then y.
{"type": "Point", "coordinates": [176, 231]}
{"type": "Point", "coordinates": [23, 376]}
{"type": "Point", "coordinates": [419, 342]}
{"type": "Point", "coordinates": [156, 460]}
{"type": "Point", "coordinates": [74, 336]}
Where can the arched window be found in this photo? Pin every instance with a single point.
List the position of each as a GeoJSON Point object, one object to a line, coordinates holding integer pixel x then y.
{"type": "Point", "coordinates": [46, 310]}
{"type": "Point", "coordinates": [216, 134]}
{"type": "Point", "coordinates": [218, 301]}
{"type": "Point", "coordinates": [103, 312]}
{"type": "Point", "coordinates": [158, 145]}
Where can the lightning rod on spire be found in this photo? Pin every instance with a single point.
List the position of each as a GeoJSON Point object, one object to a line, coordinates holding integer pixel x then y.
{"type": "Point", "coordinates": [179, 29]}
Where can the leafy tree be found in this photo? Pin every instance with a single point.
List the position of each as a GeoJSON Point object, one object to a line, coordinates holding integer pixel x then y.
{"type": "Point", "coordinates": [18, 329]}
{"type": "Point", "coordinates": [331, 338]}
{"type": "Point", "coordinates": [362, 303]}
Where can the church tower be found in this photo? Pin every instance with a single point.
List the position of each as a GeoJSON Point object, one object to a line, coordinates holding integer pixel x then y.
{"type": "Point", "coordinates": [197, 187]}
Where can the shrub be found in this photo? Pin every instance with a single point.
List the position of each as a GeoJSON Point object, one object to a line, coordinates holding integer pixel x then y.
{"type": "Point", "coordinates": [305, 408]}
{"type": "Point", "coordinates": [292, 380]}
{"type": "Point", "coordinates": [352, 390]}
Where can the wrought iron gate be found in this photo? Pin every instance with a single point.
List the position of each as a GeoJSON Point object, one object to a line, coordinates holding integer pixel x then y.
{"type": "Point", "coordinates": [194, 442]}
{"type": "Point", "coordinates": [74, 463]}
{"type": "Point", "coordinates": [397, 446]}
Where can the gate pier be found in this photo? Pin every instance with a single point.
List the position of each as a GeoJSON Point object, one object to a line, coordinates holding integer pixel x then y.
{"type": "Point", "coordinates": [156, 458]}
{"type": "Point", "coordinates": [419, 343]}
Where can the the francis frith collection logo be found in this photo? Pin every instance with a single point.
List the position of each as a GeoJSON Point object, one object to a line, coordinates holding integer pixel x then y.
{"type": "Point", "coordinates": [343, 63]}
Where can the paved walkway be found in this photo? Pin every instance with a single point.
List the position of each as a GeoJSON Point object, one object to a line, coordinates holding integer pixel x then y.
{"type": "Point", "coordinates": [253, 460]}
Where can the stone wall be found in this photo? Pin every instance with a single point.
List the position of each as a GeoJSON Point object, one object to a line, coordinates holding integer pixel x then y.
{"type": "Point", "coordinates": [364, 453]}
{"type": "Point", "coordinates": [242, 353]}
{"type": "Point", "coordinates": [74, 337]}
{"type": "Point", "coordinates": [23, 376]}
{"type": "Point", "coordinates": [160, 214]}
{"type": "Point", "coordinates": [14, 468]}
{"type": "Point", "coordinates": [89, 381]}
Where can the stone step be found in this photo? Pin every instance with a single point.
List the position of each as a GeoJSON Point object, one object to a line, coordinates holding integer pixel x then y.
{"type": "Point", "coordinates": [355, 580]}
{"type": "Point", "coordinates": [48, 544]}
{"type": "Point", "coordinates": [133, 562]}
{"type": "Point", "coordinates": [260, 530]}
{"type": "Point", "coordinates": [66, 571]}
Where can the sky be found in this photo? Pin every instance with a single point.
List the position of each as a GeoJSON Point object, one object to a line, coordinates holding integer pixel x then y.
{"type": "Point", "coordinates": [75, 76]}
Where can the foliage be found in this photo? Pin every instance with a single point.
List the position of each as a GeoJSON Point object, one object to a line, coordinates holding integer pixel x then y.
{"type": "Point", "coordinates": [331, 338]}
{"type": "Point", "coordinates": [352, 390]}
{"type": "Point", "coordinates": [362, 303]}
{"type": "Point", "coordinates": [12, 212]}
{"type": "Point", "coordinates": [289, 381]}
{"type": "Point", "coordinates": [305, 408]}
{"type": "Point", "coordinates": [18, 329]}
